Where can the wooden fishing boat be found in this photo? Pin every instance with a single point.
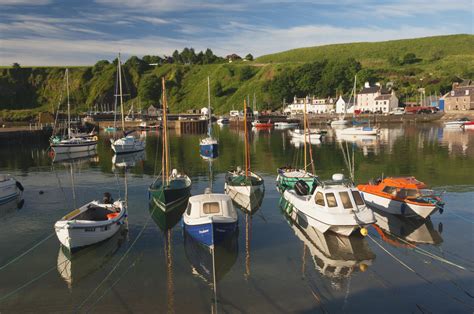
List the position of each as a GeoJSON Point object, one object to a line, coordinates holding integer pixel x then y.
{"type": "Point", "coordinates": [243, 181]}
{"type": "Point", "coordinates": [127, 143]}
{"type": "Point", "coordinates": [10, 189]}
{"type": "Point", "coordinates": [334, 205]}
{"type": "Point", "coordinates": [210, 218]}
{"type": "Point", "coordinates": [209, 146]}
{"type": "Point", "coordinates": [92, 223]}
{"type": "Point", "coordinates": [404, 196]}
{"type": "Point", "coordinates": [171, 188]}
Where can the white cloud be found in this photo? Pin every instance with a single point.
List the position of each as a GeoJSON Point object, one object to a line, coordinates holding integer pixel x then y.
{"type": "Point", "coordinates": [44, 51]}
{"type": "Point", "coordinates": [24, 2]}
{"type": "Point", "coordinates": [172, 5]}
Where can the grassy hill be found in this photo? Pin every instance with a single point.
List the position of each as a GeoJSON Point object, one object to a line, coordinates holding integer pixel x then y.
{"type": "Point", "coordinates": [437, 61]}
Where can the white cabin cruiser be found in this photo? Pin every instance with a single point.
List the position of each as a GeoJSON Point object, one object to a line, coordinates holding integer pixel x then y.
{"type": "Point", "coordinates": [360, 130]}
{"type": "Point", "coordinates": [334, 205]}
{"type": "Point", "coordinates": [311, 134]}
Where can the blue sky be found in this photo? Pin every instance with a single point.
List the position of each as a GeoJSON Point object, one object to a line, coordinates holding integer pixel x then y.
{"type": "Point", "coordinates": [62, 32]}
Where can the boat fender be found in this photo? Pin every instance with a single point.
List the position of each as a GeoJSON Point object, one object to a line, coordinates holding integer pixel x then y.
{"type": "Point", "coordinates": [95, 138]}
{"type": "Point", "coordinates": [19, 186]}
{"type": "Point", "coordinates": [403, 208]}
{"type": "Point", "coordinates": [364, 231]}
{"type": "Point", "coordinates": [289, 208]}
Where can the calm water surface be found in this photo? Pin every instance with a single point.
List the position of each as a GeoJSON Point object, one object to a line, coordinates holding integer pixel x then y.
{"type": "Point", "coordinates": [270, 266]}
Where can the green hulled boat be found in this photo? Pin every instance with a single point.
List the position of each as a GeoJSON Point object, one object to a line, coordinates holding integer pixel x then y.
{"type": "Point", "coordinates": [168, 219]}
{"type": "Point", "coordinates": [170, 189]}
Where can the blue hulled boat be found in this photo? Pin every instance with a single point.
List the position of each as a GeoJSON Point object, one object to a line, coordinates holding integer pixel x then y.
{"type": "Point", "coordinates": [209, 147]}
{"type": "Point", "coordinates": [210, 218]}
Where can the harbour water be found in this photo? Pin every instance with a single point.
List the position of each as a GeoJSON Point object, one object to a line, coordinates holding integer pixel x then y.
{"type": "Point", "coordinates": [270, 266]}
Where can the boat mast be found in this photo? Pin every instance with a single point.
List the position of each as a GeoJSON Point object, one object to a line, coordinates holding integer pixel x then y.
{"type": "Point", "coordinates": [165, 150]}
{"type": "Point", "coordinates": [247, 155]}
{"type": "Point", "coordinates": [120, 90]}
{"type": "Point", "coordinates": [355, 96]}
{"type": "Point", "coordinates": [304, 131]}
{"type": "Point", "coordinates": [115, 103]}
{"type": "Point", "coordinates": [209, 124]}
{"type": "Point", "coordinates": [68, 105]}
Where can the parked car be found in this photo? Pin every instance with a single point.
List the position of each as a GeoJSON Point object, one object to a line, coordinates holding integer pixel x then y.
{"type": "Point", "coordinates": [398, 111]}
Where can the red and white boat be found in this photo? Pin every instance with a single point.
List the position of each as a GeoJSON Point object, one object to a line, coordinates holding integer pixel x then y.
{"type": "Point", "coordinates": [468, 125]}
{"type": "Point", "coordinates": [262, 125]}
{"type": "Point", "coordinates": [405, 196]}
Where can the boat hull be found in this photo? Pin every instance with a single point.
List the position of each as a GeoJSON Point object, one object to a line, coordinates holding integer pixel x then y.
{"type": "Point", "coordinates": [344, 224]}
{"type": "Point", "coordinates": [170, 197]}
{"type": "Point", "coordinates": [396, 207]}
{"type": "Point", "coordinates": [212, 232]}
{"type": "Point", "coordinates": [74, 148]}
{"type": "Point", "coordinates": [127, 147]}
{"type": "Point", "coordinates": [286, 180]}
{"type": "Point", "coordinates": [209, 150]}
{"type": "Point", "coordinates": [9, 191]}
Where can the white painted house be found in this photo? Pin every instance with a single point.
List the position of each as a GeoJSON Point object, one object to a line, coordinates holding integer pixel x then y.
{"type": "Point", "coordinates": [313, 105]}
{"type": "Point", "coordinates": [376, 98]}
{"type": "Point", "coordinates": [344, 106]}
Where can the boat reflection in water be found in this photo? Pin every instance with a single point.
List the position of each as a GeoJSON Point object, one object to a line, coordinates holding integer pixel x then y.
{"type": "Point", "coordinates": [166, 220]}
{"type": "Point", "coordinates": [128, 160]}
{"type": "Point", "coordinates": [73, 268]}
{"type": "Point", "coordinates": [335, 257]}
{"type": "Point", "coordinates": [211, 264]}
{"type": "Point", "coordinates": [406, 232]}
{"type": "Point", "coordinates": [11, 206]}
{"type": "Point", "coordinates": [77, 157]}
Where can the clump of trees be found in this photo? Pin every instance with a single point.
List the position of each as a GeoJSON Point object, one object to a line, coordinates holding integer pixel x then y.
{"type": "Point", "coordinates": [409, 58]}
{"type": "Point", "coordinates": [186, 56]}
{"type": "Point", "coordinates": [323, 78]}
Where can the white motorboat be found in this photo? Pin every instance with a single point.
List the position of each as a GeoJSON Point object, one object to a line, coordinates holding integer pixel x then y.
{"type": "Point", "coordinates": [210, 218]}
{"type": "Point", "coordinates": [310, 134]}
{"type": "Point", "coordinates": [286, 125]}
{"type": "Point", "coordinates": [360, 130]}
{"type": "Point", "coordinates": [334, 205]}
{"type": "Point", "coordinates": [128, 143]}
{"type": "Point", "coordinates": [456, 124]}
{"type": "Point", "coordinates": [92, 223]}
{"type": "Point", "coordinates": [10, 189]}
{"type": "Point", "coordinates": [209, 146]}
{"type": "Point", "coordinates": [223, 121]}
{"type": "Point", "coordinates": [339, 122]}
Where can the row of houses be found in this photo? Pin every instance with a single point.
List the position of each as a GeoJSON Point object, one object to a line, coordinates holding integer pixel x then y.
{"type": "Point", "coordinates": [369, 99]}
{"type": "Point", "coordinates": [460, 97]}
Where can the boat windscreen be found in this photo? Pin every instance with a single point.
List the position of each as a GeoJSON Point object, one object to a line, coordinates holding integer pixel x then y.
{"type": "Point", "coordinates": [211, 208]}
{"type": "Point", "coordinates": [357, 198]}
{"type": "Point", "coordinates": [346, 201]}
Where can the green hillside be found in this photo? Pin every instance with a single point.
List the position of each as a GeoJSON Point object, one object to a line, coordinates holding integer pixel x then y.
{"type": "Point", "coordinates": [433, 63]}
{"type": "Point", "coordinates": [378, 53]}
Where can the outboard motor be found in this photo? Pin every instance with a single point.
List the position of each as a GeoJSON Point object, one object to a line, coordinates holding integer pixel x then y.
{"type": "Point", "coordinates": [108, 198]}
{"type": "Point", "coordinates": [301, 188]}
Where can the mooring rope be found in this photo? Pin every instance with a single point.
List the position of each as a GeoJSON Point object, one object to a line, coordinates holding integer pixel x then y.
{"type": "Point", "coordinates": [118, 263]}
{"type": "Point", "coordinates": [26, 252]}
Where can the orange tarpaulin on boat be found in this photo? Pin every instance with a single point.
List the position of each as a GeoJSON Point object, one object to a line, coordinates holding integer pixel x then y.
{"type": "Point", "coordinates": [112, 215]}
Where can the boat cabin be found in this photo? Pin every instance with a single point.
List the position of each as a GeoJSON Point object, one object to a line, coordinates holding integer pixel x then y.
{"type": "Point", "coordinates": [207, 205]}
{"type": "Point", "coordinates": [402, 187]}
